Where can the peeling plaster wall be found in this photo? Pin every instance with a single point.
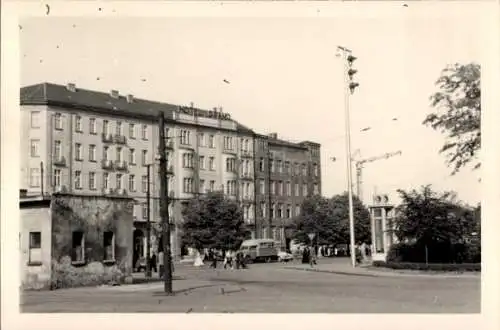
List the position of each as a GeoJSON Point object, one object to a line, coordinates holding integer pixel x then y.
{"type": "Point", "coordinates": [93, 215]}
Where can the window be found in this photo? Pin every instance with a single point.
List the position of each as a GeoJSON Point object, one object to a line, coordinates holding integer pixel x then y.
{"type": "Point", "coordinates": [144, 159]}
{"type": "Point", "coordinates": [35, 119]}
{"type": "Point", "coordinates": [272, 192]}
{"type": "Point", "coordinates": [57, 149]}
{"type": "Point", "coordinates": [280, 211]}
{"type": "Point", "coordinates": [58, 121]}
{"type": "Point", "coordinates": [118, 128]}
{"type": "Point", "coordinates": [211, 163]}
{"type": "Point", "coordinates": [212, 185]}
{"type": "Point", "coordinates": [131, 182]}
{"type": "Point", "coordinates": [105, 127]}
{"type": "Point", "coordinates": [231, 187]}
{"type": "Point", "coordinates": [228, 143]}
{"type": "Point", "coordinates": [262, 210]}
{"type": "Point", "coordinates": [272, 165]}
{"type": "Point", "coordinates": [34, 177]}
{"type": "Point", "coordinates": [35, 247]}
{"type": "Point", "coordinates": [304, 169]}
{"type": "Point", "coordinates": [288, 189]}
{"type": "Point", "coordinates": [211, 141]}
{"type": "Point", "coordinates": [187, 160]}
{"type": "Point", "coordinates": [262, 186]}
{"type": "Point", "coordinates": [35, 148]}
{"type": "Point", "coordinates": [272, 214]}
{"type": "Point", "coordinates": [92, 184]}
{"type": "Point", "coordinates": [288, 211]}
{"type": "Point", "coordinates": [246, 145]}
{"type": "Point", "coordinates": [185, 137]}
{"type": "Point", "coordinates": [105, 180]}
{"type": "Point", "coordinates": [316, 170]}
{"type": "Point", "coordinates": [78, 254]}
{"type": "Point", "coordinates": [280, 188]}
{"type": "Point", "coordinates": [131, 156]}
{"type": "Point", "coordinates": [201, 161]}
{"type": "Point", "coordinates": [377, 213]}
{"type": "Point", "coordinates": [92, 126]}
{"type": "Point", "coordinates": [78, 124]}
{"type": "Point", "coordinates": [297, 210]}
{"type": "Point", "coordinates": [230, 164]}
{"type": "Point", "coordinates": [316, 189]}
{"type": "Point", "coordinates": [118, 154]}
{"type": "Point", "coordinates": [144, 210]}
{"type": "Point", "coordinates": [92, 153]}
{"type": "Point", "coordinates": [287, 167]}
{"type": "Point", "coordinates": [57, 178]}
{"type": "Point", "coordinates": [261, 165]}
{"type": "Point", "coordinates": [279, 166]}
{"type": "Point", "coordinates": [144, 132]}
{"type": "Point", "coordinates": [188, 185]}
{"type": "Point", "coordinates": [78, 179]}
{"type": "Point", "coordinates": [296, 169]}
{"type": "Point", "coordinates": [297, 193]}
{"type": "Point", "coordinates": [105, 153]}
{"type": "Point", "coordinates": [201, 140]}
{"type": "Point", "coordinates": [202, 186]}
{"type": "Point", "coordinates": [78, 152]}
{"type": "Point", "coordinates": [304, 189]}
{"type": "Point", "coordinates": [144, 183]}
{"type": "Point", "coordinates": [131, 131]}
{"type": "Point", "coordinates": [119, 178]}
{"type": "Point", "coordinates": [109, 245]}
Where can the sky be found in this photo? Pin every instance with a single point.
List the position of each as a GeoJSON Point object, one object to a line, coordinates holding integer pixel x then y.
{"type": "Point", "coordinates": [284, 77]}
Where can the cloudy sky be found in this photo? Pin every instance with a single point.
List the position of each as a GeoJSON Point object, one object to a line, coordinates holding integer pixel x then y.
{"type": "Point", "coordinates": [284, 77]}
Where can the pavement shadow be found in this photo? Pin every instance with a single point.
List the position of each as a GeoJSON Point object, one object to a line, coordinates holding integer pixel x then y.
{"type": "Point", "coordinates": [143, 280]}
{"type": "Point", "coordinates": [186, 290]}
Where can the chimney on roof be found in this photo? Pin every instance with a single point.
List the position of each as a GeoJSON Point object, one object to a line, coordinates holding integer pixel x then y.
{"type": "Point", "coordinates": [273, 135]}
{"type": "Point", "coordinates": [71, 87]}
{"type": "Point", "coordinates": [114, 94]}
{"type": "Point", "coordinates": [130, 98]}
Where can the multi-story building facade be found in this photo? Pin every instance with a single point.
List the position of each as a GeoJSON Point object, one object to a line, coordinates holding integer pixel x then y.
{"type": "Point", "coordinates": [85, 142]}
{"type": "Point", "coordinates": [286, 174]}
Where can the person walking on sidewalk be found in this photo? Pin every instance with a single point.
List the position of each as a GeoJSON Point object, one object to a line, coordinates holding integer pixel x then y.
{"type": "Point", "coordinates": [312, 258]}
{"type": "Point", "coordinates": [161, 267]}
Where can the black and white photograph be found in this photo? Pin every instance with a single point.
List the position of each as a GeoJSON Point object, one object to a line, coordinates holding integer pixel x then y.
{"type": "Point", "coordinates": [319, 163]}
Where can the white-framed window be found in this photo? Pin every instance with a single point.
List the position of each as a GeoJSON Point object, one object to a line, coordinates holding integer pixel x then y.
{"type": "Point", "coordinates": [316, 169]}
{"type": "Point", "coordinates": [185, 137]}
{"type": "Point", "coordinates": [109, 245]}
{"type": "Point", "coordinates": [202, 186]}
{"type": "Point", "coordinates": [211, 163]}
{"type": "Point", "coordinates": [272, 165]}
{"type": "Point", "coordinates": [201, 160]}
{"type": "Point", "coordinates": [144, 158]}
{"type": "Point", "coordinates": [201, 140]}
{"type": "Point", "coordinates": [280, 210]}
{"type": "Point", "coordinates": [144, 132]}
{"type": "Point", "coordinates": [261, 165]}
{"type": "Point", "coordinates": [131, 182]}
{"type": "Point", "coordinates": [92, 183]}
{"type": "Point", "coordinates": [212, 185]}
{"type": "Point", "coordinates": [78, 151]}
{"type": "Point", "coordinates": [297, 192]}
{"type": "Point", "coordinates": [272, 192]}
{"type": "Point", "coordinates": [188, 185]}
{"type": "Point", "coordinates": [278, 165]}
{"type": "Point", "coordinates": [118, 154]}
{"type": "Point", "coordinates": [35, 148]}
{"type": "Point", "coordinates": [230, 164]}
{"type": "Point", "coordinates": [57, 178]}
{"type": "Point", "coordinates": [119, 179]}
{"type": "Point", "coordinates": [131, 130]}
{"type": "Point", "coordinates": [35, 119]}
{"type": "Point", "coordinates": [297, 210]}
{"type": "Point", "coordinates": [105, 126]}
{"type": "Point", "coordinates": [247, 192]}
{"type": "Point", "coordinates": [304, 189]}
{"type": "Point", "coordinates": [105, 153]}
{"type": "Point", "coordinates": [262, 209]}
{"type": "Point", "coordinates": [288, 214]}
{"type": "Point", "coordinates": [92, 152]}
{"type": "Point", "coordinates": [78, 124]}
{"type": "Point", "coordinates": [78, 254]}
{"type": "Point", "coordinates": [304, 169]}
{"type": "Point", "coordinates": [187, 160]}
{"type": "Point", "coordinates": [35, 247]}
{"type": "Point", "coordinates": [144, 183]}
{"type": "Point", "coordinates": [211, 141]}
{"type": "Point", "coordinates": [118, 128]}
{"type": "Point", "coordinates": [296, 168]}
{"type": "Point", "coordinates": [131, 156]}
{"type": "Point", "coordinates": [228, 143]}
{"type": "Point", "coordinates": [246, 145]}
{"type": "Point", "coordinates": [58, 121]}
{"type": "Point", "coordinates": [262, 186]}
{"type": "Point", "coordinates": [280, 188]}
{"type": "Point", "coordinates": [78, 179]}
{"type": "Point", "coordinates": [288, 188]}
{"type": "Point", "coordinates": [273, 213]}
{"type": "Point", "coordinates": [92, 126]}
{"type": "Point", "coordinates": [144, 210]}
{"type": "Point", "coordinates": [34, 177]}
{"type": "Point", "coordinates": [105, 180]}
{"type": "Point", "coordinates": [57, 149]}
{"type": "Point", "coordinates": [316, 189]}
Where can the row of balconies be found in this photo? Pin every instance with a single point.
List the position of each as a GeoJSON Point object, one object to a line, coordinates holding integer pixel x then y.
{"type": "Point", "coordinates": [113, 138]}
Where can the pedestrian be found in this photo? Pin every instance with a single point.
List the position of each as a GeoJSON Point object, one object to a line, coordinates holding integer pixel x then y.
{"type": "Point", "coordinates": [312, 258]}
{"type": "Point", "coordinates": [153, 263]}
{"type": "Point", "coordinates": [161, 267]}
{"type": "Point", "coordinates": [213, 256]}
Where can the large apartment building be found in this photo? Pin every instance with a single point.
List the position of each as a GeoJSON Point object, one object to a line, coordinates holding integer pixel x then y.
{"type": "Point", "coordinates": [85, 142]}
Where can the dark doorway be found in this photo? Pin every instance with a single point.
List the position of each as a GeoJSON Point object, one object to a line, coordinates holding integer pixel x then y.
{"type": "Point", "coordinates": [138, 246]}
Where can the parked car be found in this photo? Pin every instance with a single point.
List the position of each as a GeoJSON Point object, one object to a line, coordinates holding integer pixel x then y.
{"type": "Point", "coordinates": [285, 256]}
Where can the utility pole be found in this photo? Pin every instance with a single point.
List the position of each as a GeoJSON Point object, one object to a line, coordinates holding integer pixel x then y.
{"type": "Point", "coordinates": [41, 179]}
{"type": "Point", "coordinates": [148, 224]}
{"type": "Point", "coordinates": [164, 202]}
{"type": "Point", "coordinates": [349, 88]}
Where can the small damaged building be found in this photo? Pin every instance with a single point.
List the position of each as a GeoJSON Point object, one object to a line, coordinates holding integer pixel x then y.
{"type": "Point", "coordinates": [83, 228]}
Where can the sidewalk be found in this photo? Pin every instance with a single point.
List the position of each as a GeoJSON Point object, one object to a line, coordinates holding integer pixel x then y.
{"type": "Point", "coordinates": [343, 267]}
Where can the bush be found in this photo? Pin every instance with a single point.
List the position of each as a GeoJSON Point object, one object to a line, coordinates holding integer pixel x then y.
{"type": "Point", "coordinates": [65, 275]}
{"type": "Point", "coordinates": [465, 267]}
{"type": "Point", "coordinates": [437, 253]}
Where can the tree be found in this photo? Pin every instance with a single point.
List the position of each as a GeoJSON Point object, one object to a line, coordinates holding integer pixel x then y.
{"type": "Point", "coordinates": [428, 217]}
{"type": "Point", "coordinates": [329, 220]}
{"type": "Point", "coordinates": [213, 222]}
{"type": "Point", "coordinates": [458, 114]}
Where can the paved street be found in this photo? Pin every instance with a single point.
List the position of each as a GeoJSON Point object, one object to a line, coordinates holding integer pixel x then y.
{"type": "Point", "coordinates": [271, 288]}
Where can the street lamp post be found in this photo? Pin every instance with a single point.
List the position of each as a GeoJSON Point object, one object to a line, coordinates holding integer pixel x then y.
{"type": "Point", "coordinates": [349, 88]}
{"type": "Point", "coordinates": [148, 224]}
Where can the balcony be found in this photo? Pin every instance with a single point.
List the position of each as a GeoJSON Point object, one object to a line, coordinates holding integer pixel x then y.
{"type": "Point", "coordinates": [121, 165]}
{"type": "Point", "coordinates": [118, 192]}
{"type": "Point", "coordinates": [59, 161]}
{"type": "Point", "coordinates": [246, 154]}
{"type": "Point", "coordinates": [107, 138]}
{"type": "Point", "coordinates": [169, 144]}
{"type": "Point", "coordinates": [247, 176]}
{"type": "Point", "coordinates": [119, 139]}
{"type": "Point", "coordinates": [229, 151]}
{"type": "Point", "coordinates": [106, 164]}
{"type": "Point", "coordinates": [248, 199]}
{"type": "Point", "coordinates": [107, 191]}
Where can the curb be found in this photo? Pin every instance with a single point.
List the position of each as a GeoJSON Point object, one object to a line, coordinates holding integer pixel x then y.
{"type": "Point", "coordinates": [331, 271]}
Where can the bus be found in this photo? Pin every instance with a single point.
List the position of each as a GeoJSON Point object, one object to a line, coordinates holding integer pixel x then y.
{"type": "Point", "coordinates": [262, 249]}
